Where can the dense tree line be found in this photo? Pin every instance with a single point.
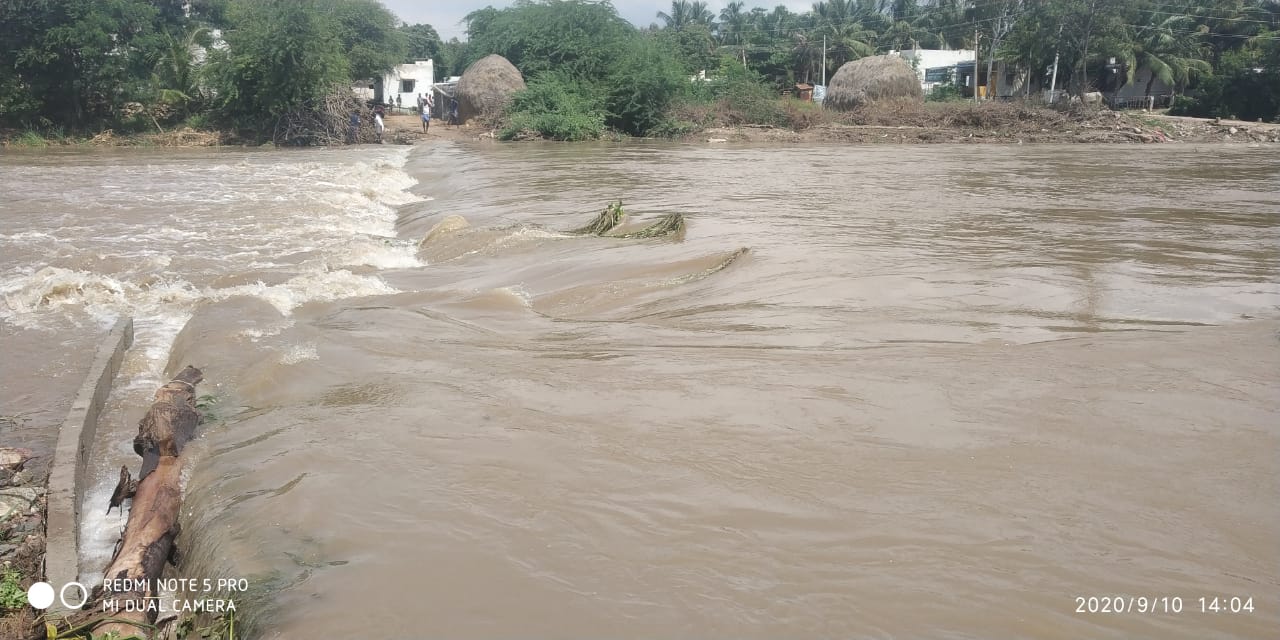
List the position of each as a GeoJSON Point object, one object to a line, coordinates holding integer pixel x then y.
{"type": "Point", "coordinates": [82, 65]}
{"type": "Point", "coordinates": [1223, 56]}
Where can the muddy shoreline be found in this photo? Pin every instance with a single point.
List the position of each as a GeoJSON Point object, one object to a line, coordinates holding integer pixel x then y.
{"type": "Point", "coordinates": [1029, 126]}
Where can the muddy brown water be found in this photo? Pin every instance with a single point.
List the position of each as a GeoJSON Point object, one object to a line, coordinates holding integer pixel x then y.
{"type": "Point", "coordinates": [944, 392]}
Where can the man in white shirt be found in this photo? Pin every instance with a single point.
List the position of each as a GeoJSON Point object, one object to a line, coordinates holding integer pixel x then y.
{"type": "Point", "coordinates": [428, 103]}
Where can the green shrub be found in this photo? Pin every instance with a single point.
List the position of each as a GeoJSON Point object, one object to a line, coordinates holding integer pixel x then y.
{"type": "Point", "coordinates": [29, 139]}
{"type": "Point", "coordinates": [555, 108]}
{"type": "Point", "coordinates": [685, 115]}
{"type": "Point", "coordinates": [280, 55]}
{"type": "Point", "coordinates": [197, 121]}
{"type": "Point", "coordinates": [744, 98]}
{"type": "Point", "coordinates": [646, 80]}
{"type": "Point", "coordinates": [12, 595]}
{"type": "Point", "coordinates": [1239, 90]}
{"type": "Point", "coordinates": [945, 93]}
{"type": "Point", "coordinates": [802, 115]}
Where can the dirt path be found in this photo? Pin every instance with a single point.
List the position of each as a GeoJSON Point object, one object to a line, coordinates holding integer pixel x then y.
{"type": "Point", "coordinates": [409, 129]}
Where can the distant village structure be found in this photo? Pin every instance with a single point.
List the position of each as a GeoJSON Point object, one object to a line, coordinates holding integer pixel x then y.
{"type": "Point", "coordinates": [405, 81]}
{"type": "Point", "coordinates": [938, 67]}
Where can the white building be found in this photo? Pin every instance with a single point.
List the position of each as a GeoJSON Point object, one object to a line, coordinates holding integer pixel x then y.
{"type": "Point", "coordinates": [405, 81]}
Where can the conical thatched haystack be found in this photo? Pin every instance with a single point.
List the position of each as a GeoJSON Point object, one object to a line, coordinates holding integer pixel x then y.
{"type": "Point", "coordinates": [486, 87]}
{"type": "Point", "coordinates": [868, 80]}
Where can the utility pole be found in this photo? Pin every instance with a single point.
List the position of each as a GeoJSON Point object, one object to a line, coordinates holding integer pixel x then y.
{"type": "Point", "coordinates": [976, 48]}
{"type": "Point", "coordinates": [824, 59]}
{"type": "Point", "coordinates": [1053, 84]}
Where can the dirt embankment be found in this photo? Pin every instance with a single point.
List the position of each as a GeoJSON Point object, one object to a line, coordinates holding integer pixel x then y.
{"type": "Point", "coordinates": [954, 122]}
{"type": "Point", "coordinates": [1002, 123]}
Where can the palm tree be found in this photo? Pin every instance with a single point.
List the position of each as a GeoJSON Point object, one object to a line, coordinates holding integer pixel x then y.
{"type": "Point", "coordinates": [945, 21]}
{"type": "Point", "coordinates": [1163, 47]}
{"type": "Point", "coordinates": [684, 14]}
{"type": "Point", "coordinates": [850, 27]}
{"type": "Point", "coordinates": [733, 27]}
{"type": "Point", "coordinates": [177, 72]}
{"type": "Point", "coordinates": [804, 53]}
{"type": "Point", "coordinates": [1229, 23]}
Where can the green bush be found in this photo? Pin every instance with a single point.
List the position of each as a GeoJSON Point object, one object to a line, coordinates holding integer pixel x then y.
{"type": "Point", "coordinates": [646, 80]}
{"type": "Point", "coordinates": [197, 121]}
{"type": "Point", "coordinates": [684, 118]}
{"type": "Point", "coordinates": [1240, 90]}
{"type": "Point", "coordinates": [556, 108]}
{"type": "Point", "coordinates": [29, 139]}
{"type": "Point", "coordinates": [280, 55]}
{"type": "Point", "coordinates": [744, 98]}
{"type": "Point", "coordinates": [945, 93]}
{"type": "Point", "coordinates": [803, 115]}
{"type": "Point", "coordinates": [12, 595]}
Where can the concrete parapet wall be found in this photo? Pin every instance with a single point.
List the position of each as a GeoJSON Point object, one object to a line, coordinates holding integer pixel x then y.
{"type": "Point", "coordinates": [68, 478]}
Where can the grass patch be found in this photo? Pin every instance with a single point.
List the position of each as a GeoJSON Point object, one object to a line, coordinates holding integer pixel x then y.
{"type": "Point", "coordinates": [1150, 123]}
{"type": "Point", "coordinates": [12, 595]}
{"type": "Point", "coordinates": [29, 140]}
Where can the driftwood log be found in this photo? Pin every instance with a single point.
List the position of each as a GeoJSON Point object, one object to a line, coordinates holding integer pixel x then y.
{"type": "Point", "coordinates": [148, 539]}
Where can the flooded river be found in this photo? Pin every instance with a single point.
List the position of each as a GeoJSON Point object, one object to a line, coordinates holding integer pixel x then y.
{"type": "Point", "coordinates": [886, 392]}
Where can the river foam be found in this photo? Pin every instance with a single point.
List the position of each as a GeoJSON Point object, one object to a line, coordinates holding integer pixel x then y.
{"type": "Point", "coordinates": [312, 229]}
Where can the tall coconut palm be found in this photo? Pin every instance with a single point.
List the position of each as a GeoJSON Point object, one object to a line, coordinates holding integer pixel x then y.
{"type": "Point", "coordinates": [946, 21]}
{"type": "Point", "coordinates": [734, 27]}
{"type": "Point", "coordinates": [1163, 47]}
{"type": "Point", "coordinates": [1229, 23]}
{"type": "Point", "coordinates": [804, 53]}
{"type": "Point", "coordinates": [684, 14]}
{"type": "Point", "coordinates": [843, 22]}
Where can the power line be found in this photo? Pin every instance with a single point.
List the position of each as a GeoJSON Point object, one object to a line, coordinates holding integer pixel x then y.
{"type": "Point", "coordinates": [1174, 14]}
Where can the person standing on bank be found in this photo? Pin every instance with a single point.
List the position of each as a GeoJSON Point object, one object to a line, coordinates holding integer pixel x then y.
{"type": "Point", "coordinates": [427, 103]}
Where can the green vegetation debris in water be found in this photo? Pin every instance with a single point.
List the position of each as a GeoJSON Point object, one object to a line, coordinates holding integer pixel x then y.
{"type": "Point", "coordinates": [611, 217]}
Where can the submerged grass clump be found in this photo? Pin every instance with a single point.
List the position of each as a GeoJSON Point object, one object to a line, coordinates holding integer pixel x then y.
{"type": "Point", "coordinates": [608, 219]}
{"type": "Point", "coordinates": [670, 224]}
{"type": "Point", "coordinates": [613, 215]}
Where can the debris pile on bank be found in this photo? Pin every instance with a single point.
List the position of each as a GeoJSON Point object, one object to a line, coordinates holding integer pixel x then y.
{"type": "Point", "coordinates": [901, 122]}
{"type": "Point", "coordinates": [22, 539]}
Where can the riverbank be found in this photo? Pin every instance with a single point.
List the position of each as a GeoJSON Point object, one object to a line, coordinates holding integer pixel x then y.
{"type": "Point", "coordinates": [928, 123]}
{"type": "Point", "coordinates": [999, 123]}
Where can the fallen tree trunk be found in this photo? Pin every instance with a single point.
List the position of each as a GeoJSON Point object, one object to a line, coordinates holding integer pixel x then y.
{"type": "Point", "coordinates": [148, 539]}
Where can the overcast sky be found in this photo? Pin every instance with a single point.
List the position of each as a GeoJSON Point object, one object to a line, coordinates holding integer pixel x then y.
{"type": "Point", "coordinates": [446, 17]}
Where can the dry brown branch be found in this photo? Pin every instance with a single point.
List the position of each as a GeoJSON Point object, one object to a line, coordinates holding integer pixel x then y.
{"type": "Point", "coordinates": [326, 121]}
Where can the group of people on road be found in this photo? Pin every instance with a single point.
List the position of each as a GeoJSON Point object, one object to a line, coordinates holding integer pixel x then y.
{"type": "Point", "coordinates": [426, 103]}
